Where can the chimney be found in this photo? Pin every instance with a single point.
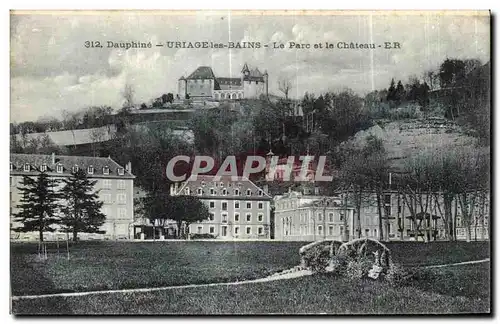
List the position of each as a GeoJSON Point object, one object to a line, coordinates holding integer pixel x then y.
{"type": "Point", "coordinates": [266, 188]}
{"type": "Point", "coordinates": [128, 167]}
{"type": "Point", "coordinates": [53, 158]}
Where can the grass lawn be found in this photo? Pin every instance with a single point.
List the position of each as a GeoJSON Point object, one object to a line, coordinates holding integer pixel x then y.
{"type": "Point", "coordinates": [307, 295]}
{"type": "Point", "coordinates": [103, 265]}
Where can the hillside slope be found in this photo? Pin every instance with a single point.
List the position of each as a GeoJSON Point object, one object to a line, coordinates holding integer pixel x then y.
{"type": "Point", "coordinates": [407, 138]}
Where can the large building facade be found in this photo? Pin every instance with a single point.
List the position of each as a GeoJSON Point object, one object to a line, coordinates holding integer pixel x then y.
{"type": "Point", "coordinates": [303, 217]}
{"type": "Point", "coordinates": [238, 208]}
{"type": "Point", "coordinates": [203, 84]}
{"type": "Point", "coordinates": [114, 183]}
{"type": "Point", "coordinates": [300, 217]}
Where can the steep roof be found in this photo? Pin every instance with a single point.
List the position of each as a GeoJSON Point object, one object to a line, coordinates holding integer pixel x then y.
{"type": "Point", "coordinates": [68, 162]}
{"type": "Point", "coordinates": [207, 182]}
{"type": "Point", "coordinates": [202, 72]}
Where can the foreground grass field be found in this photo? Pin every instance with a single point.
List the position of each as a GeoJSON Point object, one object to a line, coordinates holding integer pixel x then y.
{"type": "Point", "coordinates": [307, 295]}
{"type": "Point", "coordinates": [122, 265]}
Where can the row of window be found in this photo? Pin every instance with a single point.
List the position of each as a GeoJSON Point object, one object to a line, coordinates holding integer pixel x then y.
{"type": "Point", "coordinates": [236, 230]}
{"type": "Point", "coordinates": [223, 192]}
{"type": "Point", "coordinates": [224, 205]}
{"type": "Point", "coordinates": [121, 198]}
{"type": "Point", "coordinates": [60, 168]}
{"type": "Point", "coordinates": [106, 183]}
{"type": "Point", "coordinates": [121, 212]}
{"type": "Point", "coordinates": [236, 217]}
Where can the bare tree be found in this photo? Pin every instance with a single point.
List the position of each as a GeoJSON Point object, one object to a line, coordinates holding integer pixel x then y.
{"type": "Point", "coordinates": [285, 85]}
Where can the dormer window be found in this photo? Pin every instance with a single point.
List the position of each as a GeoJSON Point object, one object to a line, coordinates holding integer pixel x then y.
{"type": "Point", "coordinates": [200, 192]}
{"type": "Point", "coordinates": [43, 168]}
{"type": "Point", "coordinates": [212, 191]}
{"type": "Point", "coordinates": [224, 192]}
{"type": "Point", "coordinates": [236, 192]}
{"type": "Point", "coordinates": [27, 167]}
{"type": "Point", "coordinates": [221, 184]}
{"type": "Point", "coordinates": [74, 169]}
{"type": "Point", "coordinates": [59, 168]}
{"type": "Point", "coordinates": [261, 193]}
{"type": "Point", "coordinates": [121, 171]}
{"type": "Point", "coordinates": [249, 192]}
{"type": "Point", "coordinates": [203, 183]}
{"type": "Point", "coordinates": [105, 170]}
{"type": "Point", "coordinates": [90, 169]}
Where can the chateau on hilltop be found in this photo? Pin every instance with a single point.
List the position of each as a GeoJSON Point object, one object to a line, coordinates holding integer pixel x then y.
{"type": "Point", "coordinates": [203, 84]}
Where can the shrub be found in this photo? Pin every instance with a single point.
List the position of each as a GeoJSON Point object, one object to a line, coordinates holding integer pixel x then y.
{"type": "Point", "coordinates": [202, 236]}
{"type": "Point", "coordinates": [358, 268]}
{"type": "Point", "coordinates": [317, 258]}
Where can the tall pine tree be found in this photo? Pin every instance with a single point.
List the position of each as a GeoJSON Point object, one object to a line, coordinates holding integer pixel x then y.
{"type": "Point", "coordinates": [38, 204]}
{"type": "Point", "coordinates": [82, 211]}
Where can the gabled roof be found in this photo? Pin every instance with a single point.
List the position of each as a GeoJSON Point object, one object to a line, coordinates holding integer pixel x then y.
{"type": "Point", "coordinates": [68, 162]}
{"type": "Point", "coordinates": [206, 182]}
{"type": "Point", "coordinates": [202, 72]}
{"type": "Point", "coordinates": [245, 68]}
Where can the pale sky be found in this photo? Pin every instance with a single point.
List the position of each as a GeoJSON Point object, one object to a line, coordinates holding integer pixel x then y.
{"type": "Point", "coordinates": [52, 71]}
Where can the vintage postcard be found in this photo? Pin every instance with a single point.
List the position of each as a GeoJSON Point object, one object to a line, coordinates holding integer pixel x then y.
{"type": "Point", "coordinates": [250, 162]}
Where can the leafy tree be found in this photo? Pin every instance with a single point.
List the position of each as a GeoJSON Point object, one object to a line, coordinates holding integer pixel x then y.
{"type": "Point", "coordinates": [185, 210]}
{"type": "Point", "coordinates": [38, 204]}
{"type": "Point", "coordinates": [82, 211]}
{"type": "Point", "coordinates": [170, 97]}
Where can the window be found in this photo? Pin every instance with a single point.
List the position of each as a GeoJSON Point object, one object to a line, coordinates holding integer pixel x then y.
{"type": "Point", "coordinates": [59, 168]}
{"type": "Point", "coordinates": [249, 192]}
{"type": "Point", "coordinates": [236, 230]}
{"type": "Point", "coordinates": [249, 230]}
{"type": "Point", "coordinates": [221, 184]}
{"type": "Point", "coordinates": [224, 231]}
{"type": "Point", "coordinates": [122, 198]}
{"type": "Point", "coordinates": [199, 192]}
{"type": "Point", "coordinates": [211, 204]}
{"type": "Point", "coordinates": [341, 216]}
{"type": "Point", "coordinates": [261, 230]}
{"type": "Point", "coordinates": [26, 167]}
{"type": "Point", "coordinates": [236, 192]}
{"type": "Point", "coordinates": [199, 229]}
{"type": "Point", "coordinates": [330, 217]}
{"type": "Point", "coordinates": [249, 217]}
{"type": "Point", "coordinates": [105, 170]}
{"type": "Point", "coordinates": [106, 184]}
{"type": "Point", "coordinates": [121, 171]}
{"type": "Point", "coordinates": [203, 183]}
{"type": "Point", "coordinates": [375, 232]}
{"type": "Point", "coordinates": [211, 216]}
{"type": "Point", "coordinates": [341, 230]}
{"type": "Point", "coordinates": [212, 191]}
{"type": "Point", "coordinates": [387, 199]}
{"type": "Point", "coordinates": [320, 217]}
{"type": "Point", "coordinates": [261, 193]}
{"type": "Point", "coordinates": [236, 217]}
{"type": "Point", "coordinates": [121, 184]}
{"type": "Point", "coordinates": [330, 230]}
{"type": "Point", "coordinates": [236, 205]}
{"type": "Point", "coordinates": [224, 205]}
{"type": "Point", "coordinates": [224, 192]}
{"type": "Point", "coordinates": [90, 170]}
{"type": "Point", "coordinates": [320, 229]}
{"type": "Point", "coordinates": [260, 217]}
{"type": "Point", "coordinates": [106, 198]}
{"type": "Point", "coordinates": [224, 218]}
{"type": "Point", "coordinates": [249, 205]}
{"type": "Point", "coordinates": [122, 213]}
{"type": "Point", "coordinates": [106, 211]}
{"type": "Point", "coordinates": [43, 168]}
{"type": "Point", "coordinates": [367, 232]}
{"type": "Point", "coordinates": [211, 229]}
{"type": "Point", "coordinates": [75, 169]}
{"type": "Point", "coordinates": [261, 205]}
